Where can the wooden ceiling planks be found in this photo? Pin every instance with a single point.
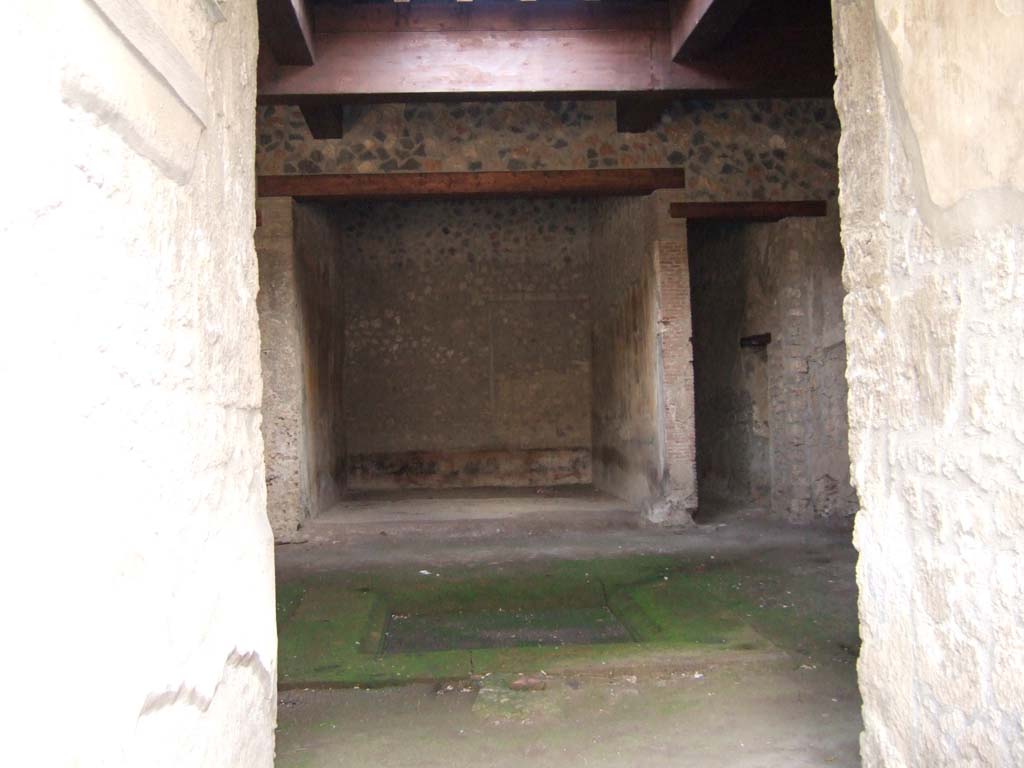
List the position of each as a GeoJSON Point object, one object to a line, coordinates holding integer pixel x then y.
{"type": "Point", "coordinates": [387, 52]}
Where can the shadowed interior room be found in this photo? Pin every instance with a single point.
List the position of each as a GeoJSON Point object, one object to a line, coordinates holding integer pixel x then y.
{"type": "Point", "coordinates": [554, 383]}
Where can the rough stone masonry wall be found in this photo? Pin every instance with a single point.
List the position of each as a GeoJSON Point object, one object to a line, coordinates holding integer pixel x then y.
{"type": "Point", "coordinates": [678, 501]}
{"type": "Point", "coordinates": [468, 354]}
{"type": "Point", "coordinates": [772, 422]}
{"type": "Point", "coordinates": [765, 149]}
{"type": "Point", "coordinates": [281, 347]}
{"type": "Point", "coordinates": [319, 266]}
{"type": "Point", "coordinates": [932, 201]}
{"type": "Point", "coordinates": [642, 414]}
{"type": "Point", "coordinates": [732, 150]}
{"type": "Point", "coordinates": [302, 342]}
{"type": "Point", "coordinates": [135, 372]}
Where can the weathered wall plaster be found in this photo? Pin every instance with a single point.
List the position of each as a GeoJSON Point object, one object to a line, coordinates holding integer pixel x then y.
{"type": "Point", "coordinates": [320, 274]}
{"type": "Point", "coordinates": [779, 149]}
{"type": "Point", "coordinates": [281, 351]}
{"type": "Point", "coordinates": [150, 601]}
{"type": "Point", "coordinates": [302, 334]}
{"type": "Point", "coordinates": [642, 417]}
{"type": "Point", "coordinates": [772, 420]}
{"type": "Point", "coordinates": [675, 346]}
{"type": "Point", "coordinates": [932, 201]}
{"type": "Point", "coordinates": [467, 347]}
{"type": "Point", "coordinates": [628, 450]}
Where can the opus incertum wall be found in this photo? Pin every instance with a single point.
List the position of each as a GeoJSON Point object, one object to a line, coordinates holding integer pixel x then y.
{"type": "Point", "coordinates": [767, 149]}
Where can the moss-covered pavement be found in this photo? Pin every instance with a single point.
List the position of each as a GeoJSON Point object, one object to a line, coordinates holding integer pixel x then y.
{"type": "Point", "coordinates": [401, 625]}
{"type": "Point", "coordinates": [729, 646]}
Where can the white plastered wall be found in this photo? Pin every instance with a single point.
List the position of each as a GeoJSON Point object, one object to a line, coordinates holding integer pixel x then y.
{"type": "Point", "coordinates": [140, 565]}
{"type": "Point", "coordinates": [931, 98]}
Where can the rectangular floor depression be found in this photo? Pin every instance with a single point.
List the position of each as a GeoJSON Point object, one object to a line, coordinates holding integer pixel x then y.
{"type": "Point", "coordinates": [400, 625]}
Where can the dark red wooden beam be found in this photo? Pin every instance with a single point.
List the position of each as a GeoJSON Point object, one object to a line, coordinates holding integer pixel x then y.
{"type": "Point", "coordinates": [699, 26]}
{"type": "Point", "coordinates": [286, 26]}
{"type": "Point", "coordinates": [409, 65]}
{"type": "Point", "coordinates": [411, 186]}
{"type": "Point", "coordinates": [755, 210]}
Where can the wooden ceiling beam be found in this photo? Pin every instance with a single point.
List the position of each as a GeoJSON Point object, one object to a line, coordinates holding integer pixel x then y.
{"type": "Point", "coordinates": [699, 26]}
{"type": "Point", "coordinates": [286, 27]}
{"type": "Point", "coordinates": [413, 186]}
{"type": "Point", "coordinates": [418, 65]}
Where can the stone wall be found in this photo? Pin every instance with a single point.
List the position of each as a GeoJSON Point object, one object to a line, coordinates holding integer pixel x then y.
{"type": "Point", "coordinates": [643, 439]}
{"type": "Point", "coordinates": [468, 350]}
{"type": "Point", "coordinates": [133, 391]}
{"type": "Point", "coordinates": [772, 420]}
{"type": "Point", "coordinates": [321, 290]}
{"type": "Point", "coordinates": [732, 150]}
{"type": "Point", "coordinates": [467, 331]}
{"type": "Point", "coordinates": [932, 200]}
{"type": "Point", "coordinates": [281, 348]}
{"type": "Point", "coordinates": [628, 449]}
{"type": "Point", "coordinates": [678, 500]}
{"type": "Point", "coordinates": [302, 343]}
{"type": "Point", "coordinates": [777, 149]}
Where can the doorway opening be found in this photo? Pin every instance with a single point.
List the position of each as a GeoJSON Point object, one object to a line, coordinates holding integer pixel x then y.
{"type": "Point", "coordinates": [541, 417]}
{"type": "Point", "coordinates": [770, 368]}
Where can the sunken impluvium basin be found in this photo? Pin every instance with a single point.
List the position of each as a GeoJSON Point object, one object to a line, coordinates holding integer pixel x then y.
{"type": "Point", "coordinates": [501, 628]}
{"type": "Point", "coordinates": [404, 625]}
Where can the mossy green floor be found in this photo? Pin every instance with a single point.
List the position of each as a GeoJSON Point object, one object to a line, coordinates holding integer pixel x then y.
{"type": "Point", "coordinates": [675, 695]}
{"type": "Point", "coordinates": [332, 629]}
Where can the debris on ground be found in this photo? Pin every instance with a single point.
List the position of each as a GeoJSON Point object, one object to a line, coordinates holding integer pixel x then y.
{"type": "Point", "coordinates": [528, 683]}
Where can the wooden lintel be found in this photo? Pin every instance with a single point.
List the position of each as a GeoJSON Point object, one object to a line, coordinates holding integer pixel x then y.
{"type": "Point", "coordinates": [411, 186]}
{"type": "Point", "coordinates": [286, 26]}
{"type": "Point", "coordinates": [639, 114]}
{"type": "Point", "coordinates": [411, 65]}
{"type": "Point", "coordinates": [325, 121]}
{"type": "Point", "coordinates": [755, 210]}
{"type": "Point", "coordinates": [699, 26]}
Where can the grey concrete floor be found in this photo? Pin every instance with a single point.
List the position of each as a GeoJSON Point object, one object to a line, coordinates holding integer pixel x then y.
{"type": "Point", "coordinates": [801, 708]}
